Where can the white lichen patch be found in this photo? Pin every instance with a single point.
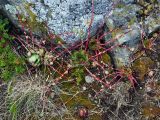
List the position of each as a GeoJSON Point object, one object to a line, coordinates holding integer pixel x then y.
{"type": "Point", "coordinates": [12, 9]}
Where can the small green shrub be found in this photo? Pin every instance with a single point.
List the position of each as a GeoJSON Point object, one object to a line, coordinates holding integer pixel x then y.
{"type": "Point", "coordinates": [10, 63]}
{"type": "Point", "coordinates": [79, 74]}
{"type": "Point", "coordinates": [78, 58]}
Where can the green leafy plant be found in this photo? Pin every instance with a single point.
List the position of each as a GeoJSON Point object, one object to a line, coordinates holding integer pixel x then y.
{"type": "Point", "coordinates": [79, 74]}
{"type": "Point", "coordinates": [13, 110]}
{"type": "Point", "coordinates": [10, 63]}
{"type": "Point", "coordinates": [78, 58]}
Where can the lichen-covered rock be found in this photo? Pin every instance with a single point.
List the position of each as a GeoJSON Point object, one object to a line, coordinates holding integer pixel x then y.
{"type": "Point", "coordinates": [69, 18]}
{"type": "Point", "coordinates": [127, 34]}
{"type": "Point", "coordinates": [129, 44]}
{"type": "Point", "coordinates": [152, 23]}
{"type": "Point", "coordinates": [130, 27]}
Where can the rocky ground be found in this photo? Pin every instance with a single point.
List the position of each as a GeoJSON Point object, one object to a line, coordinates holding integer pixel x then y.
{"type": "Point", "coordinates": [110, 71]}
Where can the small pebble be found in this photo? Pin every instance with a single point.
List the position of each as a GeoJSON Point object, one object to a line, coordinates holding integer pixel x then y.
{"type": "Point", "coordinates": [106, 72]}
{"type": "Point", "coordinates": [89, 79]}
{"type": "Point", "coordinates": [151, 73]}
{"type": "Point", "coordinates": [29, 54]}
{"type": "Point", "coordinates": [84, 88]}
{"type": "Point", "coordinates": [148, 89]}
{"type": "Point", "coordinates": [132, 49]}
{"type": "Point", "coordinates": [51, 63]}
{"type": "Point", "coordinates": [89, 95]}
{"type": "Point", "coordinates": [52, 95]}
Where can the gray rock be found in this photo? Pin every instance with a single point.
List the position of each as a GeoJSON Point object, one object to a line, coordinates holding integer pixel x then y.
{"type": "Point", "coordinates": [128, 34]}
{"type": "Point", "coordinates": [128, 1]}
{"type": "Point", "coordinates": [63, 16]}
{"type": "Point", "coordinates": [152, 24]}
{"type": "Point", "coordinates": [71, 19]}
{"type": "Point", "coordinates": [125, 19]}
{"type": "Point", "coordinates": [130, 40]}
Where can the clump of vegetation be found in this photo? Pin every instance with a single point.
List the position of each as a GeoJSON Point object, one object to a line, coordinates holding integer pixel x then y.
{"type": "Point", "coordinates": [29, 96]}
{"type": "Point", "coordinates": [147, 7]}
{"type": "Point", "coordinates": [78, 59]}
{"type": "Point", "coordinates": [106, 58]}
{"type": "Point", "coordinates": [94, 44]}
{"type": "Point", "coordinates": [10, 63]}
{"type": "Point", "coordinates": [53, 95]}
{"type": "Point", "coordinates": [79, 74]}
{"type": "Point", "coordinates": [141, 66]}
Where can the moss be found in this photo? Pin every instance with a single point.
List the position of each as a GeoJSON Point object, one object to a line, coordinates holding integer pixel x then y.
{"type": "Point", "coordinates": [94, 44]}
{"type": "Point", "coordinates": [106, 58]}
{"type": "Point", "coordinates": [120, 5]}
{"type": "Point", "coordinates": [79, 57]}
{"type": "Point", "coordinates": [79, 99]}
{"type": "Point", "coordinates": [114, 33]}
{"type": "Point", "coordinates": [132, 21]}
{"type": "Point", "coordinates": [10, 63]}
{"type": "Point", "coordinates": [146, 43]}
{"type": "Point", "coordinates": [147, 7]}
{"type": "Point", "coordinates": [32, 22]}
{"type": "Point", "coordinates": [141, 66]}
{"type": "Point", "coordinates": [119, 62]}
{"type": "Point", "coordinates": [58, 40]}
{"type": "Point", "coordinates": [150, 111]}
{"type": "Point", "coordinates": [95, 117]}
{"type": "Point", "coordinates": [138, 54]}
{"type": "Point", "coordinates": [79, 74]}
{"type": "Point", "coordinates": [60, 69]}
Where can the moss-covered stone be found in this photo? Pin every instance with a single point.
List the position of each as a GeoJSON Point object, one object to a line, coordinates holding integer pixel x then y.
{"type": "Point", "coordinates": [141, 66]}
{"type": "Point", "coordinates": [31, 21]}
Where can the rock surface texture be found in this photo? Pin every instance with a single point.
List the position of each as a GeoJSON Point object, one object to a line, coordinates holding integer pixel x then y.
{"type": "Point", "coordinates": [64, 16]}
{"type": "Point", "coordinates": [73, 19]}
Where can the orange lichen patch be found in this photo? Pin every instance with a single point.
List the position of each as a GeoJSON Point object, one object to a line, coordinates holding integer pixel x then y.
{"type": "Point", "coordinates": [150, 111]}
{"type": "Point", "coordinates": [141, 66]}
